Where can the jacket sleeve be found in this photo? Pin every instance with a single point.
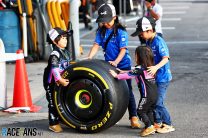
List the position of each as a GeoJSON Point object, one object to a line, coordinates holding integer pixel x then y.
{"type": "Point", "coordinates": [55, 66]}
{"type": "Point", "coordinates": [125, 76]}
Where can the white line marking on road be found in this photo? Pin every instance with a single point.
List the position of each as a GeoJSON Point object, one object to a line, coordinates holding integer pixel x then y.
{"type": "Point", "coordinates": [168, 28]}
{"type": "Point", "coordinates": [177, 42]}
{"type": "Point", "coordinates": [86, 40]}
{"type": "Point", "coordinates": [174, 4]}
{"type": "Point", "coordinates": [171, 19]}
{"type": "Point", "coordinates": [181, 1]}
{"type": "Point", "coordinates": [132, 19]}
{"type": "Point", "coordinates": [175, 8]}
{"type": "Point", "coordinates": [188, 42]}
{"type": "Point", "coordinates": [134, 44]}
{"type": "Point", "coordinates": [130, 29]}
{"type": "Point", "coordinates": [163, 19]}
{"type": "Point", "coordinates": [164, 28]}
{"type": "Point", "coordinates": [175, 12]}
{"type": "Point", "coordinates": [89, 46]}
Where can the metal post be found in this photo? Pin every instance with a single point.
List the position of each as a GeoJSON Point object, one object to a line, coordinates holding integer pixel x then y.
{"type": "Point", "coordinates": [3, 91]}
{"type": "Point", "coordinates": [47, 48]}
{"type": "Point", "coordinates": [120, 7]}
{"type": "Point", "coordinates": [124, 9]}
{"type": "Point", "coordinates": [24, 24]}
{"type": "Point", "coordinates": [74, 17]}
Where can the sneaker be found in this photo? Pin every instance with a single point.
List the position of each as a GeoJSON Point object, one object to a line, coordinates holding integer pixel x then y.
{"type": "Point", "coordinates": [166, 129]}
{"type": "Point", "coordinates": [147, 131]}
{"type": "Point", "coordinates": [135, 122]}
{"type": "Point", "coordinates": [157, 125]}
{"type": "Point", "coordinates": [56, 128]}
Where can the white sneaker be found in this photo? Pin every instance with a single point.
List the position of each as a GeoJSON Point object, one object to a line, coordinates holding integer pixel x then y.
{"type": "Point", "coordinates": [166, 129]}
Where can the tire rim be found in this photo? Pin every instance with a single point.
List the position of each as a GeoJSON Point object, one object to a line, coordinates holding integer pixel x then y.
{"type": "Point", "coordinates": [83, 100]}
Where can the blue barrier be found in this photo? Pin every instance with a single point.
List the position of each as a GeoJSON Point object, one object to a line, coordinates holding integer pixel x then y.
{"type": "Point", "coordinates": [10, 30]}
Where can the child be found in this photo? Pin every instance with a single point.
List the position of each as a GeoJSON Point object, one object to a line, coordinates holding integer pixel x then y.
{"type": "Point", "coordinates": [57, 62]}
{"type": "Point", "coordinates": [147, 87]}
{"type": "Point", "coordinates": [146, 29]}
{"type": "Point", "coordinates": [113, 38]}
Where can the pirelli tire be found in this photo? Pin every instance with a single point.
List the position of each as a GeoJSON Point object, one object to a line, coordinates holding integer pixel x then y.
{"type": "Point", "coordinates": [94, 100]}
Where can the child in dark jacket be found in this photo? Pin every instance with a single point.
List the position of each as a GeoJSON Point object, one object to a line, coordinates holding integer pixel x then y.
{"type": "Point", "coordinates": [57, 63]}
{"type": "Point", "coordinates": [147, 87]}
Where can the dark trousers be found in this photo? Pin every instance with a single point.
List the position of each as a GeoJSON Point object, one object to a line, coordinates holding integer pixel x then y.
{"type": "Point", "coordinates": [84, 8]}
{"type": "Point", "coordinates": [52, 112]}
{"type": "Point", "coordinates": [145, 110]}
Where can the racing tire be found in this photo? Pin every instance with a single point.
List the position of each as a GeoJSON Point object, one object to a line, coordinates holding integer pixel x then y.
{"type": "Point", "coordinates": [94, 100]}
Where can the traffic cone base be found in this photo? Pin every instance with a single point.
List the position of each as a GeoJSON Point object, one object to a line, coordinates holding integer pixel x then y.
{"type": "Point", "coordinates": [22, 97]}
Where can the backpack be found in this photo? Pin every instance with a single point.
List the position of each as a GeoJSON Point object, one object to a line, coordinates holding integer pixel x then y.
{"type": "Point", "coordinates": [46, 76]}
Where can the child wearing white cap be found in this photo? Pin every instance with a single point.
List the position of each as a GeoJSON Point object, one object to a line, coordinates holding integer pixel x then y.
{"type": "Point", "coordinates": [57, 63]}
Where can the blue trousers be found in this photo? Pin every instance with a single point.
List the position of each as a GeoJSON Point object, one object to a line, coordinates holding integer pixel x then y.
{"type": "Point", "coordinates": [161, 113]}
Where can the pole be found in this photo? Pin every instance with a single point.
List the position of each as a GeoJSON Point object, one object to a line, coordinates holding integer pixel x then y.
{"type": "Point", "coordinates": [3, 91]}
{"type": "Point", "coordinates": [25, 34]}
{"type": "Point", "coordinates": [74, 17]}
{"type": "Point", "coordinates": [120, 8]}
{"type": "Point", "coordinates": [124, 3]}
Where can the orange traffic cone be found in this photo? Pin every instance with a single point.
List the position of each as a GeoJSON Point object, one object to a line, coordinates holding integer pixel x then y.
{"type": "Point", "coordinates": [22, 97]}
